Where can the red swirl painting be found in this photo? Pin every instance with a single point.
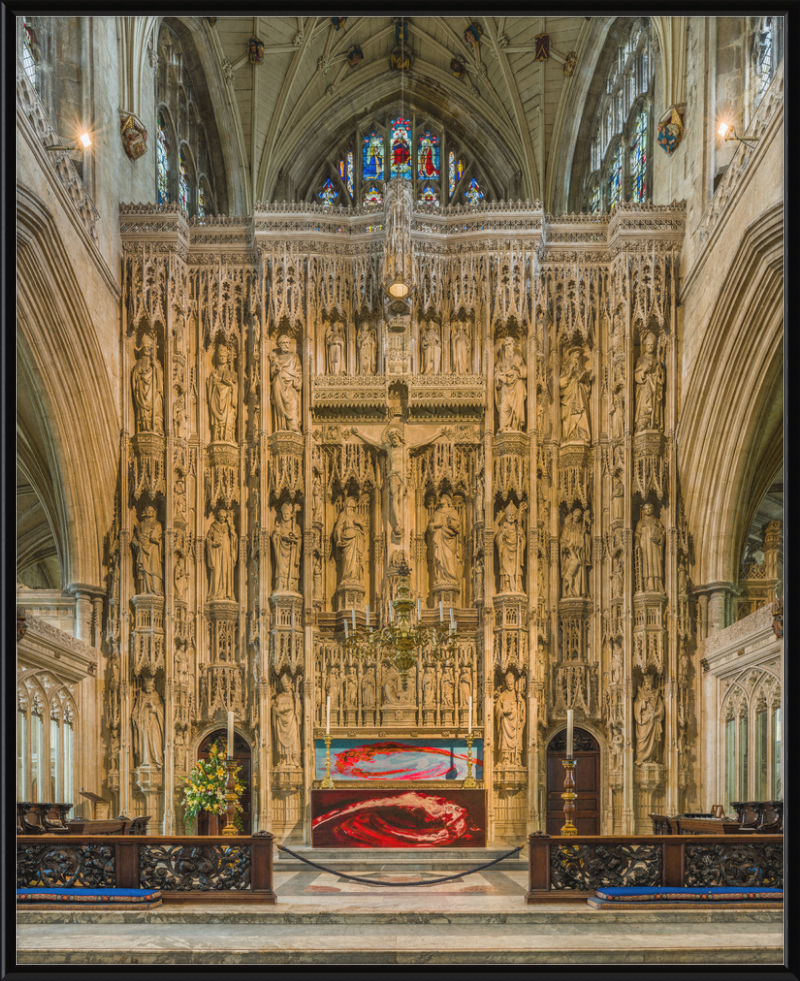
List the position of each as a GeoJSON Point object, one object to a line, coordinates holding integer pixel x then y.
{"type": "Point", "coordinates": [398, 819]}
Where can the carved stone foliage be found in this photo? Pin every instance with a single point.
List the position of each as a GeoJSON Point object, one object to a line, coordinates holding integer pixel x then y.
{"type": "Point", "coordinates": [201, 868]}
{"type": "Point", "coordinates": [66, 866]}
{"type": "Point", "coordinates": [588, 867]}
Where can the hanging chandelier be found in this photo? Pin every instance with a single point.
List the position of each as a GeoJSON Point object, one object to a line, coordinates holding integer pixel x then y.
{"type": "Point", "coordinates": [403, 640]}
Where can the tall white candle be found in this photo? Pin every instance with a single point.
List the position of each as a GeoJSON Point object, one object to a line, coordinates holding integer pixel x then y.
{"type": "Point", "coordinates": [354, 618]}
{"type": "Point", "coordinates": [292, 618]}
{"type": "Point", "coordinates": [345, 630]}
{"type": "Point", "coordinates": [367, 614]}
{"type": "Point", "coordinates": [441, 612]}
{"type": "Point", "coordinates": [470, 715]}
{"type": "Point", "coordinates": [569, 734]}
{"type": "Point", "coordinates": [419, 608]}
{"type": "Point", "coordinates": [230, 735]}
{"type": "Point", "coordinates": [391, 614]}
{"type": "Point", "coordinates": [328, 715]}
{"type": "Point", "coordinates": [451, 614]}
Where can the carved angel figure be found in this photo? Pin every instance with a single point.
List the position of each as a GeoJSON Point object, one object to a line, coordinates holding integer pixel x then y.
{"type": "Point", "coordinates": [222, 390]}
{"type": "Point", "coordinates": [510, 372]}
{"type": "Point", "coordinates": [147, 381]}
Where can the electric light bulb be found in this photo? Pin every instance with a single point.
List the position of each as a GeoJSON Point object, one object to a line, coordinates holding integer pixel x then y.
{"type": "Point", "coordinates": [85, 140]}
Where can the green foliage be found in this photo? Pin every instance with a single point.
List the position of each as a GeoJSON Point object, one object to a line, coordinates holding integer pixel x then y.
{"type": "Point", "coordinates": [205, 785]}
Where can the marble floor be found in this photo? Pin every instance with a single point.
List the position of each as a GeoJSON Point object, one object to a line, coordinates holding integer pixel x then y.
{"type": "Point", "coordinates": [321, 918]}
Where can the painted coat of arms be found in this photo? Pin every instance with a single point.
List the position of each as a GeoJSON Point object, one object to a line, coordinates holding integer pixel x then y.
{"type": "Point", "coordinates": [134, 136]}
{"type": "Point", "coordinates": [670, 133]}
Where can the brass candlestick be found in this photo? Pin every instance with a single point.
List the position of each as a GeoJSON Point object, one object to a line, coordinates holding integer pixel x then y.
{"type": "Point", "coordinates": [230, 798]}
{"type": "Point", "coordinates": [569, 797]}
{"type": "Point", "coordinates": [327, 783]}
{"type": "Point", "coordinates": [469, 781]}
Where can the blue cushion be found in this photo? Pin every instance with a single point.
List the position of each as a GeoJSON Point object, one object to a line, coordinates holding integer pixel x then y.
{"type": "Point", "coordinates": [78, 895]}
{"type": "Point", "coordinates": [697, 893]}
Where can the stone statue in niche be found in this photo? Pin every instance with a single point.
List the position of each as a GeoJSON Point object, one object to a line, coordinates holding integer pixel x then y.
{"type": "Point", "coordinates": [648, 712]}
{"type": "Point", "coordinates": [179, 416]}
{"type": "Point", "coordinates": [350, 688]}
{"type": "Point", "coordinates": [510, 548]}
{"type": "Point", "coordinates": [368, 690]}
{"type": "Point", "coordinates": [179, 497]}
{"type": "Point", "coordinates": [147, 543]}
{"type": "Point", "coordinates": [617, 576]}
{"type": "Point", "coordinates": [182, 667]}
{"type": "Point", "coordinates": [148, 725]}
{"type": "Point", "coordinates": [349, 537]}
{"type": "Point", "coordinates": [576, 383]}
{"type": "Point", "coordinates": [147, 381]}
{"type": "Point", "coordinates": [337, 350]}
{"type": "Point", "coordinates": [649, 545]}
{"type": "Point", "coordinates": [318, 504]}
{"type": "Point", "coordinates": [445, 532]}
{"type": "Point", "coordinates": [617, 501]}
{"type": "Point", "coordinates": [509, 712]}
{"type": "Point", "coordinates": [317, 576]}
{"type": "Point", "coordinates": [287, 711]}
{"type": "Point", "coordinates": [461, 348]}
{"type": "Point", "coordinates": [617, 750]}
{"type": "Point", "coordinates": [392, 686]}
{"type": "Point", "coordinates": [429, 686]}
{"type": "Point", "coordinates": [616, 662]}
{"type": "Point", "coordinates": [286, 544]}
{"type": "Point", "coordinates": [478, 576]}
{"type": "Point", "coordinates": [287, 383]}
{"type": "Point", "coordinates": [575, 550]}
{"type": "Point", "coordinates": [464, 686]}
{"type": "Point", "coordinates": [222, 549]}
{"type": "Point", "coordinates": [448, 687]}
{"type": "Point", "coordinates": [649, 378]}
{"type": "Point", "coordinates": [332, 688]}
{"type": "Point", "coordinates": [367, 349]}
{"type": "Point", "coordinates": [222, 388]}
{"type": "Point", "coordinates": [431, 348]}
{"type": "Point", "coordinates": [510, 389]}
{"type": "Point", "coordinates": [180, 577]}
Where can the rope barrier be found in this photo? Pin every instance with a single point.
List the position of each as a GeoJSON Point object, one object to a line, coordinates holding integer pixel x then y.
{"type": "Point", "coordinates": [421, 882]}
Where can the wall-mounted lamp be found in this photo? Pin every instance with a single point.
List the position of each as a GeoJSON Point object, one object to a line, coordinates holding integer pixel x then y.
{"type": "Point", "coordinates": [727, 132]}
{"type": "Point", "coordinates": [83, 139]}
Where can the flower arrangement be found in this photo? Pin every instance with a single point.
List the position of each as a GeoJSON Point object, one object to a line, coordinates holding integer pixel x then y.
{"type": "Point", "coordinates": [205, 785]}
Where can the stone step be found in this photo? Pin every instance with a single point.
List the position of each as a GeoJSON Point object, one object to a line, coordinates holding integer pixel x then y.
{"type": "Point", "coordinates": [356, 860]}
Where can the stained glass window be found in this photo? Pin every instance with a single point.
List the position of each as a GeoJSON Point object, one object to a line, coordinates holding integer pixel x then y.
{"type": "Point", "coordinates": [183, 182]}
{"type": "Point", "coordinates": [638, 161]}
{"type": "Point", "coordinates": [350, 173]}
{"type": "Point", "coordinates": [428, 157]}
{"type": "Point", "coordinates": [455, 171]}
{"type": "Point", "coordinates": [328, 194]}
{"type": "Point", "coordinates": [474, 194]}
{"type": "Point", "coordinates": [764, 55]}
{"type": "Point", "coordinates": [162, 162]}
{"type": "Point", "coordinates": [28, 57]}
{"type": "Point", "coordinates": [614, 182]}
{"type": "Point", "coordinates": [429, 195]}
{"type": "Point", "coordinates": [202, 201]}
{"type": "Point", "coordinates": [343, 171]}
{"type": "Point", "coordinates": [373, 157]}
{"type": "Point", "coordinates": [401, 148]}
{"type": "Point", "coordinates": [372, 195]}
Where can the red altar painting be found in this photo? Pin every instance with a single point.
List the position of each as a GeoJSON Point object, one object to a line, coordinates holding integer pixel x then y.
{"type": "Point", "coordinates": [400, 818]}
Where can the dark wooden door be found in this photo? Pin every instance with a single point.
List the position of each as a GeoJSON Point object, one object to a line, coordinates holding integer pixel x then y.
{"type": "Point", "coordinates": [241, 753]}
{"type": "Point", "coordinates": [587, 783]}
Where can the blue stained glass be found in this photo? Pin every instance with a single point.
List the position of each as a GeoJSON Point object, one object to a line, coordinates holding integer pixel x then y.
{"type": "Point", "coordinates": [372, 195]}
{"type": "Point", "coordinates": [373, 157]}
{"type": "Point", "coordinates": [183, 183]}
{"type": "Point", "coordinates": [328, 194]}
{"type": "Point", "coordinates": [474, 194]}
{"type": "Point", "coordinates": [350, 173]}
{"type": "Point", "coordinates": [429, 195]}
{"type": "Point", "coordinates": [614, 182]}
{"type": "Point", "coordinates": [638, 162]}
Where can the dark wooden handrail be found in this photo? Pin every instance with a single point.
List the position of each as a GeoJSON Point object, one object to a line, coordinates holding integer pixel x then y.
{"type": "Point", "coordinates": [672, 859]}
{"type": "Point", "coordinates": [127, 850]}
